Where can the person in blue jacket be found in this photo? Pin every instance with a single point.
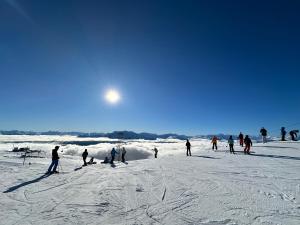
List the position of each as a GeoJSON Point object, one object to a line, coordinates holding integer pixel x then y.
{"type": "Point", "coordinates": [231, 143]}
{"type": "Point", "coordinates": [113, 154]}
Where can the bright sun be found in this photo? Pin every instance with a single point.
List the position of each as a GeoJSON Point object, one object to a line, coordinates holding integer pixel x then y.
{"type": "Point", "coordinates": [112, 96]}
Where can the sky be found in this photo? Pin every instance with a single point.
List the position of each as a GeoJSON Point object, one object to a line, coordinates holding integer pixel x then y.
{"type": "Point", "coordinates": [188, 67]}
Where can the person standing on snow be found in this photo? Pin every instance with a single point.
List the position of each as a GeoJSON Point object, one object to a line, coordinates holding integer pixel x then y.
{"type": "Point", "coordinates": [113, 154]}
{"type": "Point", "coordinates": [248, 144]}
{"type": "Point", "coordinates": [214, 141]}
{"type": "Point", "coordinates": [293, 134]}
{"type": "Point", "coordinates": [231, 143]}
{"type": "Point", "coordinates": [155, 152]}
{"type": "Point", "coordinates": [283, 133]}
{"type": "Point", "coordinates": [241, 138]}
{"type": "Point", "coordinates": [84, 156]}
{"type": "Point", "coordinates": [263, 132]}
{"type": "Point", "coordinates": [188, 148]}
{"type": "Point", "coordinates": [123, 151]}
{"type": "Point", "coordinates": [55, 159]}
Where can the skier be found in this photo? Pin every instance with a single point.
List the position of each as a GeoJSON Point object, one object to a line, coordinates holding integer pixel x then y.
{"type": "Point", "coordinates": [248, 144]}
{"type": "Point", "coordinates": [155, 152]}
{"type": "Point", "coordinates": [113, 154]}
{"type": "Point", "coordinates": [283, 133]}
{"type": "Point", "coordinates": [241, 137]}
{"type": "Point", "coordinates": [231, 143]}
{"type": "Point", "coordinates": [214, 141]}
{"type": "Point", "coordinates": [84, 156]}
{"type": "Point", "coordinates": [263, 132]}
{"type": "Point", "coordinates": [55, 159]}
{"type": "Point", "coordinates": [188, 148]}
{"type": "Point", "coordinates": [123, 151]}
{"type": "Point", "coordinates": [293, 134]}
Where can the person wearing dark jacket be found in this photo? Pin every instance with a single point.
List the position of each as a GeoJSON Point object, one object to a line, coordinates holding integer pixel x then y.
{"type": "Point", "coordinates": [293, 134]}
{"type": "Point", "coordinates": [241, 138]}
{"type": "Point", "coordinates": [188, 148]}
{"type": "Point", "coordinates": [248, 144]}
{"type": "Point", "coordinates": [55, 159]}
{"type": "Point", "coordinates": [84, 156]}
{"type": "Point", "coordinates": [263, 132]}
{"type": "Point", "coordinates": [113, 154]}
{"type": "Point", "coordinates": [283, 133]}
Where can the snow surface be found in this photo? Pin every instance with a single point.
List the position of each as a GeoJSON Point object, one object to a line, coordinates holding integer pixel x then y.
{"type": "Point", "coordinates": [212, 188]}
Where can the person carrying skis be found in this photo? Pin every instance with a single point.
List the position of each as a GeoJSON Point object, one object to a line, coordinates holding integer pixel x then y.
{"type": "Point", "coordinates": [123, 151]}
{"type": "Point", "coordinates": [214, 141]}
{"type": "Point", "coordinates": [188, 148]}
{"type": "Point", "coordinates": [231, 143]}
{"type": "Point", "coordinates": [283, 133]}
{"type": "Point", "coordinates": [241, 138]}
{"type": "Point", "coordinates": [155, 152]}
{"type": "Point", "coordinates": [263, 133]}
{"type": "Point", "coordinates": [248, 144]}
{"type": "Point", "coordinates": [293, 134]}
{"type": "Point", "coordinates": [54, 163]}
{"type": "Point", "coordinates": [84, 156]}
{"type": "Point", "coordinates": [113, 154]}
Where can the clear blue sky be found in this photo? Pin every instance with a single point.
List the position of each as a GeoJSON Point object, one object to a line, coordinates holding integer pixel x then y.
{"type": "Point", "coordinates": [192, 67]}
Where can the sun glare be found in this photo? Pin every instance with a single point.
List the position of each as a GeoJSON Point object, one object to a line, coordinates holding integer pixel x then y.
{"type": "Point", "coordinates": [112, 96]}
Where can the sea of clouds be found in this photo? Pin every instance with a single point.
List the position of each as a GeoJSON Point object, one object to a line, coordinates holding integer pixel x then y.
{"type": "Point", "coordinates": [101, 147]}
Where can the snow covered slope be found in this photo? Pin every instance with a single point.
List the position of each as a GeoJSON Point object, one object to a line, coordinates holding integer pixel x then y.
{"type": "Point", "coordinates": [212, 188]}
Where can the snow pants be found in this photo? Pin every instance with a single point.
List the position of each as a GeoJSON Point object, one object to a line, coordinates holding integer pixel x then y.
{"type": "Point", "coordinates": [188, 151]}
{"type": "Point", "coordinates": [241, 142]}
{"type": "Point", "coordinates": [247, 149]}
{"type": "Point", "coordinates": [123, 158]}
{"type": "Point", "coordinates": [84, 161]}
{"type": "Point", "coordinates": [53, 165]}
{"type": "Point", "coordinates": [264, 139]}
{"type": "Point", "coordinates": [215, 146]}
{"type": "Point", "coordinates": [112, 159]}
{"type": "Point", "coordinates": [231, 148]}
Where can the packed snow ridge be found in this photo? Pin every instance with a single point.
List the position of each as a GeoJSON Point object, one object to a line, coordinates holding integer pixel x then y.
{"type": "Point", "coordinates": [210, 187]}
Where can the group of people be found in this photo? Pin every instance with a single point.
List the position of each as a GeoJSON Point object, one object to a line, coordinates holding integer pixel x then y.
{"type": "Point", "coordinates": [247, 141]}
{"type": "Point", "coordinates": [242, 141]}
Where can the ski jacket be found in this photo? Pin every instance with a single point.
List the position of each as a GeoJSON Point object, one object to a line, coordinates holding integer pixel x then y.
{"type": "Point", "coordinates": [85, 154]}
{"type": "Point", "coordinates": [214, 140]}
{"type": "Point", "coordinates": [188, 144]}
{"type": "Point", "coordinates": [123, 151]}
{"type": "Point", "coordinates": [230, 141]}
{"type": "Point", "coordinates": [248, 141]}
{"type": "Point", "coordinates": [55, 155]}
{"type": "Point", "coordinates": [263, 132]}
{"type": "Point", "coordinates": [113, 152]}
{"type": "Point", "coordinates": [241, 136]}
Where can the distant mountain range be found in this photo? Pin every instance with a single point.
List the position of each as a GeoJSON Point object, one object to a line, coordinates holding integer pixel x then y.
{"type": "Point", "coordinates": [112, 135]}
{"type": "Point", "coordinates": [120, 135]}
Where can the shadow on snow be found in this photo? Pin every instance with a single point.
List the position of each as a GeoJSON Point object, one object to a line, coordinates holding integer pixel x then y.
{"type": "Point", "coordinates": [204, 156]}
{"type": "Point", "coordinates": [13, 188]}
{"type": "Point", "coordinates": [277, 156]}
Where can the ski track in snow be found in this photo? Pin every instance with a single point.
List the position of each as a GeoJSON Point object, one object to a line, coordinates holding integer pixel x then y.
{"type": "Point", "coordinates": [209, 188]}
